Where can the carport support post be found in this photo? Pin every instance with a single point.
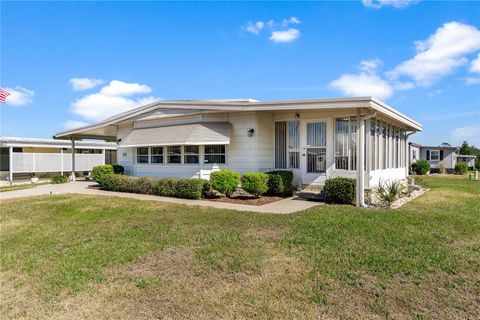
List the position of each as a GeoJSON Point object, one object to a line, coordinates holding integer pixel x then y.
{"type": "Point", "coordinates": [10, 164]}
{"type": "Point", "coordinates": [73, 159]}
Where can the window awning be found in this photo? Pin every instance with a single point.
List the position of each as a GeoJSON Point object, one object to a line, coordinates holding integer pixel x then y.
{"type": "Point", "coordinates": [203, 133]}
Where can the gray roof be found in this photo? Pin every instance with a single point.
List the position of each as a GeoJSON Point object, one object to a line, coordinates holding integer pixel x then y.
{"type": "Point", "coordinates": [54, 143]}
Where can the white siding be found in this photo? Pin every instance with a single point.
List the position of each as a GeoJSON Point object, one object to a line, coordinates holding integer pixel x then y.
{"type": "Point", "coordinates": [125, 156]}
{"type": "Point", "coordinates": [265, 127]}
{"type": "Point", "coordinates": [242, 151]}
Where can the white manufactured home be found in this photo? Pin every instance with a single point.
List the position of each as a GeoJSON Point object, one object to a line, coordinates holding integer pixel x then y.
{"type": "Point", "coordinates": [25, 157]}
{"type": "Point", "coordinates": [316, 139]}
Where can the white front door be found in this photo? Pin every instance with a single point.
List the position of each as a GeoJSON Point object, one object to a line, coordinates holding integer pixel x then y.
{"type": "Point", "coordinates": [314, 155]}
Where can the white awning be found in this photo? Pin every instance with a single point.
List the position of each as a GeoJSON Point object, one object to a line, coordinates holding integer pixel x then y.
{"type": "Point", "coordinates": [205, 133]}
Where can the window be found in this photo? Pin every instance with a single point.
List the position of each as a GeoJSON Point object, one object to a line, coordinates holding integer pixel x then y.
{"type": "Point", "coordinates": [142, 155]}
{"type": "Point", "coordinates": [287, 144]}
{"type": "Point", "coordinates": [190, 154]}
{"type": "Point", "coordinates": [214, 154]}
{"type": "Point", "coordinates": [435, 155]}
{"type": "Point", "coordinates": [345, 143]}
{"type": "Point", "coordinates": [174, 154]}
{"type": "Point", "coordinates": [156, 155]}
{"type": "Point", "coordinates": [414, 155]}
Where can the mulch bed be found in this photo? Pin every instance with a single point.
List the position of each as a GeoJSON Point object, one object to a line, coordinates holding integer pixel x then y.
{"type": "Point", "coordinates": [248, 200]}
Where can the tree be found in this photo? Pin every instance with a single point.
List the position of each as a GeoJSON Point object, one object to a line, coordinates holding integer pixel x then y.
{"type": "Point", "coordinates": [445, 144]}
{"type": "Point", "coordinates": [466, 149]}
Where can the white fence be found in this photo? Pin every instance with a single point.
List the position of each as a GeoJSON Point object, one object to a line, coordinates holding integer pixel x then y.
{"type": "Point", "coordinates": [54, 162]}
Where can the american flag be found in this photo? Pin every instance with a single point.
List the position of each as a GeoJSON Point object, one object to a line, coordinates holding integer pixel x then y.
{"type": "Point", "coordinates": [3, 95]}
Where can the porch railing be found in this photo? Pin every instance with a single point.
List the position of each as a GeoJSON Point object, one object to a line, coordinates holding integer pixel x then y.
{"type": "Point", "coordinates": [54, 162]}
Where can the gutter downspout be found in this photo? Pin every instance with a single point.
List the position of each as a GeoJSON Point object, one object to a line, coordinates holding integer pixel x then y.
{"type": "Point", "coordinates": [361, 159]}
{"type": "Point", "coordinates": [407, 162]}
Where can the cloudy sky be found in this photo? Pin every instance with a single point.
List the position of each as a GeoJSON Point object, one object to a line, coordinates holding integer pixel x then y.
{"type": "Point", "coordinates": [69, 64]}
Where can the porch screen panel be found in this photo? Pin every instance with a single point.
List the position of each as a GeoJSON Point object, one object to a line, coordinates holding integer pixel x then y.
{"type": "Point", "coordinates": [353, 143]}
{"type": "Point", "coordinates": [384, 146]}
{"type": "Point", "coordinates": [294, 144]}
{"type": "Point", "coordinates": [341, 143]}
{"type": "Point", "coordinates": [281, 145]}
{"type": "Point", "coordinates": [373, 146]}
{"type": "Point", "coordinates": [316, 147]}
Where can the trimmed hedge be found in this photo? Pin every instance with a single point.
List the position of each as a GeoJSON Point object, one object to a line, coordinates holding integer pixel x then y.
{"type": "Point", "coordinates": [461, 168]}
{"type": "Point", "coordinates": [255, 183]}
{"type": "Point", "coordinates": [118, 169]}
{"type": "Point", "coordinates": [225, 181]}
{"type": "Point", "coordinates": [280, 183]}
{"type": "Point", "coordinates": [57, 179]}
{"type": "Point", "coordinates": [340, 190]}
{"type": "Point", "coordinates": [99, 171]}
{"type": "Point", "coordinates": [421, 167]}
{"type": "Point", "coordinates": [167, 187]}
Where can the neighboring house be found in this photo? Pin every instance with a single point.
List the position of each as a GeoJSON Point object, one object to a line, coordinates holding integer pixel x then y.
{"type": "Point", "coordinates": [316, 139]}
{"type": "Point", "coordinates": [468, 159]}
{"type": "Point", "coordinates": [26, 156]}
{"type": "Point", "coordinates": [436, 156]}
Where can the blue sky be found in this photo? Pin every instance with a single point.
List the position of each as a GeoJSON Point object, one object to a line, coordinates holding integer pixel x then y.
{"type": "Point", "coordinates": [70, 63]}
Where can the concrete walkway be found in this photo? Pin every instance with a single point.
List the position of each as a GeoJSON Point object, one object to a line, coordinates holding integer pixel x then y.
{"type": "Point", "coordinates": [289, 205]}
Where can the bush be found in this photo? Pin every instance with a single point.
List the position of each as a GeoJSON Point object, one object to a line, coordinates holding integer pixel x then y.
{"type": "Point", "coordinates": [477, 165]}
{"type": "Point", "coordinates": [225, 181]}
{"type": "Point", "coordinates": [167, 187]}
{"type": "Point", "coordinates": [118, 169]}
{"type": "Point", "coordinates": [421, 167]}
{"type": "Point", "coordinates": [461, 168]}
{"type": "Point", "coordinates": [99, 171]}
{"type": "Point", "coordinates": [57, 179]}
{"type": "Point", "coordinates": [207, 189]}
{"type": "Point", "coordinates": [255, 183]}
{"type": "Point", "coordinates": [340, 190]}
{"type": "Point", "coordinates": [277, 187]}
{"type": "Point", "coordinates": [388, 192]}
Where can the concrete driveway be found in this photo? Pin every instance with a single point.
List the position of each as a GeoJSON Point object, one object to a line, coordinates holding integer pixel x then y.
{"type": "Point", "coordinates": [289, 205]}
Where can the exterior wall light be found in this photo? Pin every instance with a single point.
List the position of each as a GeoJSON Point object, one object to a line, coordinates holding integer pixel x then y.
{"type": "Point", "coordinates": [251, 132]}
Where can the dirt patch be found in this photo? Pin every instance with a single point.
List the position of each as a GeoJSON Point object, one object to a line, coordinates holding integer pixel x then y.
{"type": "Point", "coordinates": [248, 200]}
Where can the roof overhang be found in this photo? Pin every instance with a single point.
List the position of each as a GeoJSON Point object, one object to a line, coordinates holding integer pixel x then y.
{"type": "Point", "coordinates": [108, 127]}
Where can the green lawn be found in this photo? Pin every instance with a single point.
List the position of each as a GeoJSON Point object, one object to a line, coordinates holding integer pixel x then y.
{"type": "Point", "coordinates": [80, 256]}
{"type": "Point", "coordinates": [22, 186]}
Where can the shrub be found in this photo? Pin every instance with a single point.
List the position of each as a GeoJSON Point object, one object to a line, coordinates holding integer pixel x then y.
{"type": "Point", "coordinates": [255, 183]}
{"type": "Point", "coordinates": [280, 189]}
{"type": "Point", "coordinates": [461, 168]}
{"type": "Point", "coordinates": [388, 192]}
{"type": "Point", "coordinates": [477, 165]}
{"type": "Point", "coordinates": [225, 181]}
{"type": "Point", "coordinates": [207, 189]}
{"type": "Point", "coordinates": [57, 179]}
{"type": "Point", "coordinates": [99, 171]}
{"type": "Point", "coordinates": [421, 167]}
{"type": "Point", "coordinates": [168, 187]}
{"type": "Point", "coordinates": [118, 169]}
{"type": "Point", "coordinates": [441, 168]}
{"type": "Point", "coordinates": [340, 190]}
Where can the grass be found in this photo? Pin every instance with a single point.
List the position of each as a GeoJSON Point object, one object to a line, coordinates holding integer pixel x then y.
{"type": "Point", "coordinates": [77, 256]}
{"type": "Point", "coordinates": [22, 186]}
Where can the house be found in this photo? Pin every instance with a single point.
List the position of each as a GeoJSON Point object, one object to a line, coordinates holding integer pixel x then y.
{"type": "Point", "coordinates": [317, 139]}
{"type": "Point", "coordinates": [468, 159]}
{"type": "Point", "coordinates": [21, 157]}
{"type": "Point", "coordinates": [439, 155]}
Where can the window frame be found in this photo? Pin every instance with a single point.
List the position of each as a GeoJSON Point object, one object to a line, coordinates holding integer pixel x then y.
{"type": "Point", "coordinates": [185, 154]}
{"type": "Point", "coordinates": [168, 154]}
{"type": "Point", "coordinates": [151, 154]}
{"type": "Point", "coordinates": [215, 154]}
{"type": "Point", "coordinates": [349, 140]}
{"type": "Point", "coordinates": [431, 153]}
{"type": "Point", "coordinates": [137, 155]}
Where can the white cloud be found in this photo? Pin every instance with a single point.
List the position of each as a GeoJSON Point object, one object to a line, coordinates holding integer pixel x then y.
{"type": "Point", "coordinates": [468, 133]}
{"type": "Point", "coordinates": [71, 124]}
{"type": "Point", "coordinates": [19, 96]}
{"type": "Point", "coordinates": [116, 97]}
{"type": "Point", "coordinates": [362, 84]}
{"type": "Point", "coordinates": [255, 27]}
{"type": "Point", "coordinates": [377, 4]}
{"type": "Point", "coordinates": [440, 54]}
{"type": "Point", "coordinates": [79, 84]}
{"type": "Point", "coordinates": [120, 88]}
{"type": "Point", "coordinates": [285, 35]}
{"type": "Point", "coordinates": [291, 20]}
{"type": "Point", "coordinates": [475, 64]}
{"type": "Point", "coordinates": [369, 66]}
{"type": "Point", "coordinates": [472, 80]}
